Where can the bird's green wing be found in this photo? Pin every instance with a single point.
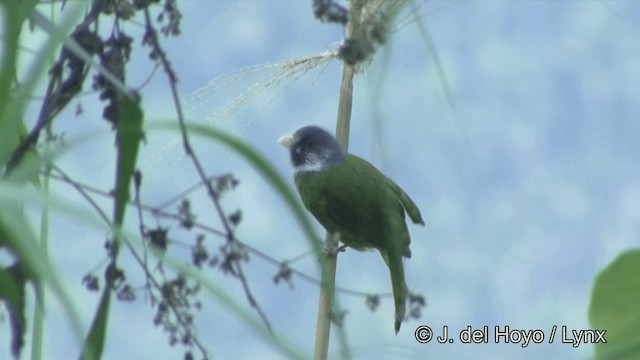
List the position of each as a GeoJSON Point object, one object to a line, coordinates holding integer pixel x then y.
{"type": "Point", "coordinates": [337, 205]}
{"type": "Point", "coordinates": [367, 209]}
{"type": "Point", "coordinates": [409, 206]}
{"type": "Point", "coordinates": [353, 199]}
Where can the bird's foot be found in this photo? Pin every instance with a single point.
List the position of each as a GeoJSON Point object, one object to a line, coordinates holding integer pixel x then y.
{"type": "Point", "coordinates": [331, 245]}
{"type": "Point", "coordinates": [335, 251]}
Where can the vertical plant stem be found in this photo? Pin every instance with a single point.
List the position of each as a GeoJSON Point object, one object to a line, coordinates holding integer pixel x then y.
{"type": "Point", "coordinates": [325, 306]}
{"type": "Point", "coordinates": [38, 313]}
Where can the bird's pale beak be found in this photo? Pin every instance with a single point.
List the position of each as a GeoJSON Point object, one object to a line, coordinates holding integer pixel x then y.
{"type": "Point", "coordinates": [285, 140]}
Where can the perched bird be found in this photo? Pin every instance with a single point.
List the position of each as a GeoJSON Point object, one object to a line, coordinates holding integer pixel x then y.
{"type": "Point", "coordinates": [349, 196]}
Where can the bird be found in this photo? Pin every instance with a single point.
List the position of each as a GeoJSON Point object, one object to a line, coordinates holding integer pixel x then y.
{"type": "Point", "coordinates": [354, 200]}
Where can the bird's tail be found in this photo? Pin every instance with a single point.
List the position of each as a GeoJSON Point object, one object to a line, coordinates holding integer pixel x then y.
{"type": "Point", "coordinates": [396, 269]}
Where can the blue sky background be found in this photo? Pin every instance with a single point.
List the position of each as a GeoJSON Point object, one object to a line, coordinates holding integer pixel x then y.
{"type": "Point", "coordinates": [529, 182]}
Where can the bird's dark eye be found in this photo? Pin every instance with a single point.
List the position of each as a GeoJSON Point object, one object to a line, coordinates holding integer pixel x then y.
{"type": "Point", "coordinates": [309, 143]}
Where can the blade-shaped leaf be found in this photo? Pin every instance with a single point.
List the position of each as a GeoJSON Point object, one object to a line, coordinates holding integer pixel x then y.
{"type": "Point", "coordinates": [128, 138]}
{"type": "Point", "coordinates": [615, 307]}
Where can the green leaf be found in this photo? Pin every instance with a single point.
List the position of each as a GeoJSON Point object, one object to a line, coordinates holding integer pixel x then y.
{"type": "Point", "coordinates": [17, 236]}
{"type": "Point", "coordinates": [264, 169]}
{"type": "Point", "coordinates": [128, 138]}
{"type": "Point", "coordinates": [13, 102]}
{"type": "Point", "coordinates": [10, 124]}
{"type": "Point", "coordinates": [615, 307]}
{"type": "Point", "coordinates": [12, 288]}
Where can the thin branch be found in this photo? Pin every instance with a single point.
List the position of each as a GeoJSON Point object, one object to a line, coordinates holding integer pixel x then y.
{"type": "Point", "coordinates": [133, 252]}
{"type": "Point", "coordinates": [327, 290]}
{"type": "Point", "coordinates": [153, 210]}
{"type": "Point", "coordinates": [258, 253]}
{"type": "Point", "coordinates": [73, 46]}
{"type": "Point", "coordinates": [182, 194]}
{"type": "Point", "coordinates": [56, 98]}
{"type": "Point", "coordinates": [152, 38]}
{"type": "Point", "coordinates": [81, 190]}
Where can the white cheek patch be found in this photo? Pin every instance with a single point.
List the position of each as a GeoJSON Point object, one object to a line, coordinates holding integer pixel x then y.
{"type": "Point", "coordinates": [314, 162]}
{"type": "Point", "coordinates": [310, 167]}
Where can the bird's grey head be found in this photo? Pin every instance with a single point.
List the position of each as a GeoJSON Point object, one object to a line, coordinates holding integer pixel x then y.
{"type": "Point", "coordinates": [312, 149]}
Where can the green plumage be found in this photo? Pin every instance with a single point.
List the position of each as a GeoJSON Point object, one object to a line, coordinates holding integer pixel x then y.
{"type": "Point", "coordinates": [367, 209]}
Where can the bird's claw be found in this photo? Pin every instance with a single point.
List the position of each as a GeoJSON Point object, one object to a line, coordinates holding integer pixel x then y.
{"type": "Point", "coordinates": [333, 252]}
{"type": "Point", "coordinates": [334, 249]}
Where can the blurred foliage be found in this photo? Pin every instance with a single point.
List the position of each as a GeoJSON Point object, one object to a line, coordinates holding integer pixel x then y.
{"type": "Point", "coordinates": [615, 308]}
{"type": "Point", "coordinates": [26, 156]}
